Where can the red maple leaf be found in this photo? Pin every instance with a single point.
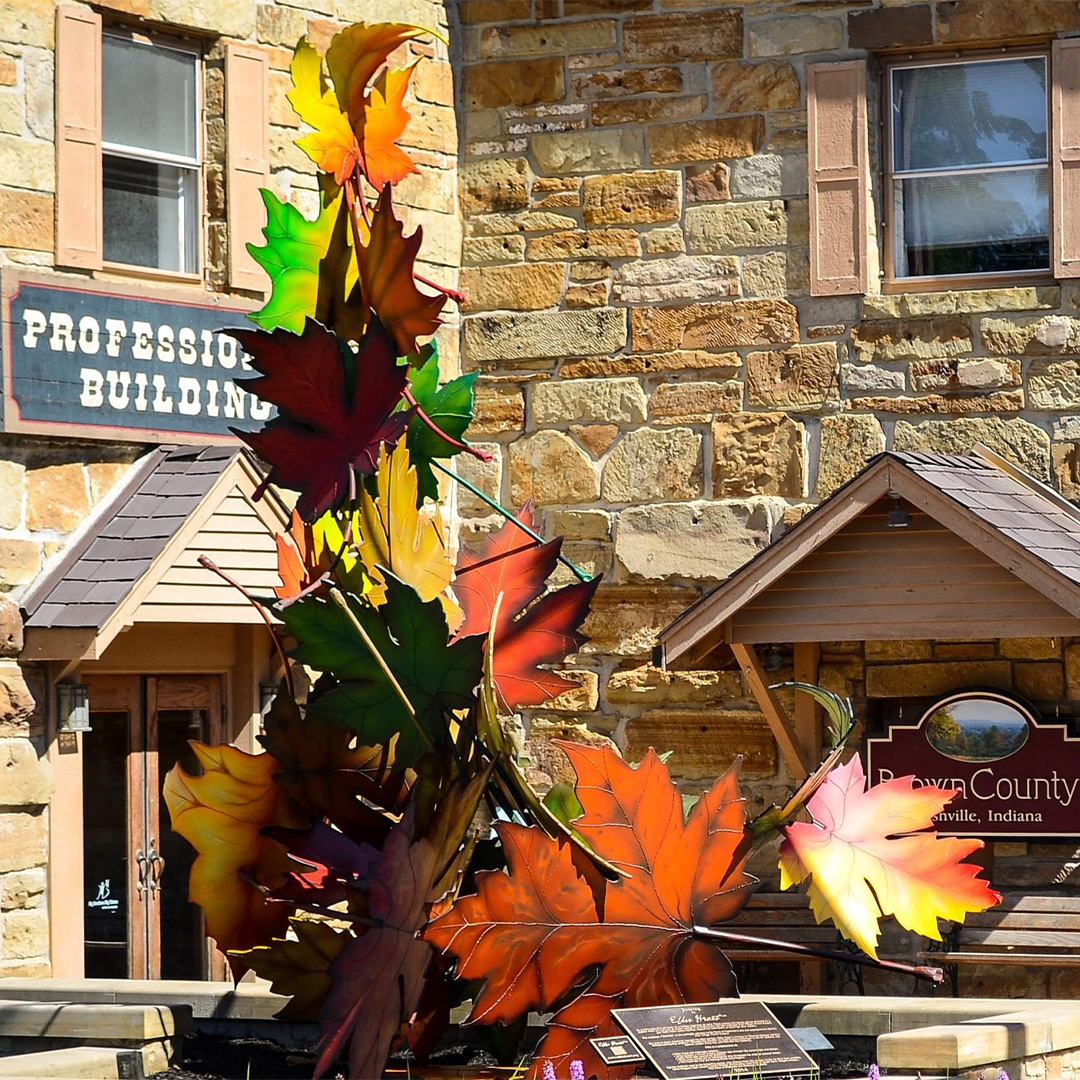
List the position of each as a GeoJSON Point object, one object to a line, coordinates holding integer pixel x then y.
{"type": "Point", "coordinates": [513, 565]}
{"type": "Point", "coordinates": [534, 932]}
{"type": "Point", "coordinates": [330, 421]}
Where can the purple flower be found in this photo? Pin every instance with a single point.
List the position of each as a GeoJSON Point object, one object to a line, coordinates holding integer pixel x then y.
{"type": "Point", "coordinates": [549, 1071]}
{"type": "Point", "coordinates": [1002, 1075]}
{"type": "Point", "coordinates": [875, 1073]}
{"type": "Point", "coordinates": [577, 1071]}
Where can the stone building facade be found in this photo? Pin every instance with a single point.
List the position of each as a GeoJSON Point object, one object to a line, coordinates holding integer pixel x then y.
{"type": "Point", "coordinates": [50, 485]}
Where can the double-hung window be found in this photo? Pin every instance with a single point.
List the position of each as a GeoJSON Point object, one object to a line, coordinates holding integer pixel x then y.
{"type": "Point", "coordinates": [150, 153]}
{"type": "Point", "coordinates": [967, 178]}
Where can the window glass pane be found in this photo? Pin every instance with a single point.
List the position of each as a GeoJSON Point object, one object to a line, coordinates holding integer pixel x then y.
{"type": "Point", "coordinates": [990, 112]}
{"type": "Point", "coordinates": [151, 214]}
{"type": "Point", "coordinates": [977, 223]}
{"type": "Point", "coordinates": [148, 97]}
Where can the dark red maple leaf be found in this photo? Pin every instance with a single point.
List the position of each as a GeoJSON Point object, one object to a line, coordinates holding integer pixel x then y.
{"type": "Point", "coordinates": [331, 420]}
{"type": "Point", "coordinates": [513, 565]}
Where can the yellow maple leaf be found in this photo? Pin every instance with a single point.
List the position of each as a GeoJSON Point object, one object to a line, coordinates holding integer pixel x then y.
{"type": "Point", "coordinates": [385, 117]}
{"type": "Point", "coordinates": [221, 814]}
{"type": "Point", "coordinates": [399, 536]}
{"type": "Point", "coordinates": [332, 145]}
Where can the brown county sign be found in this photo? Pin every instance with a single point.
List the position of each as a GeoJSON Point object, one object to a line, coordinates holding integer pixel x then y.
{"type": "Point", "coordinates": [1013, 775]}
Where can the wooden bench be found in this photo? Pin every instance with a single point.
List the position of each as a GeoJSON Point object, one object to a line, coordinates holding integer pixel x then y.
{"type": "Point", "coordinates": [786, 916]}
{"type": "Point", "coordinates": [1033, 931]}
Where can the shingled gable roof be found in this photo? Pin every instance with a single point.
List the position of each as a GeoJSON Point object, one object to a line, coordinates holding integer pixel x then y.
{"type": "Point", "coordinates": [1017, 522]}
{"type": "Point", "coordinates": [132, 540]}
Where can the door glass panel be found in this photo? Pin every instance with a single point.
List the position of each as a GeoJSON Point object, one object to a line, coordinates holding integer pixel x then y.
{"type": "Point", "coordinates": [183, 949]}
{"type": "Point", "coordinates": [106, 846]}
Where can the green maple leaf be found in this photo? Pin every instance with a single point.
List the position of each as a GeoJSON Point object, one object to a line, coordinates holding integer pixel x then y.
{"type": "Point", "coordinates": [450, 408]}
{"type": "Point", "coordinates": [411, 636]}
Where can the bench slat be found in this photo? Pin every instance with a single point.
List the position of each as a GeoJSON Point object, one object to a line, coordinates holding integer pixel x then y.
{"type": "Point", "coordinates": [1043, 939]}
{"type": "Point", "coordinates": [1022, 920]}
{"type": "Point", "coordinates": [1028, 959]}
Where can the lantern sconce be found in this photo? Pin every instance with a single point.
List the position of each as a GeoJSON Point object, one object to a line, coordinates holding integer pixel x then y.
{"type": "Point", "coordinates": [73, 707]}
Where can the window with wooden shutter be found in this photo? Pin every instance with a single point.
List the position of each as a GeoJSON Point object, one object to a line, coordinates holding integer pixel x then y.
{"type": "Point", "coordinates": [247, 127]}
{"type": "Point", "coordinates": [1065, 144]}
{"type": "Point", "coordinates": [839, 178]}
{"type": "Point", "coordinates": [78, 138]}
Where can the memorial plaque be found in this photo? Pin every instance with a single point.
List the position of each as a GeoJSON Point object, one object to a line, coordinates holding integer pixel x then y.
{"type": "Point", "coordinates": [731, 1039]}
{"type": "Point", "coordinates": [617, 1050]}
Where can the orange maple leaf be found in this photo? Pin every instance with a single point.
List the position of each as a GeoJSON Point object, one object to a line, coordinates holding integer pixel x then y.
{"type": "Point", "coordinates": [387, 283]}
{"type": "Point", "coordinates": [354, 56]}
{"type": "Point", "coordinates": [385, 117]}
{"type": "Point", "coordinates": [302, 557]}
{"type": "Point", "coordinates": [534, 932]}
{"type": "Point", "coordinates": [873, 853]}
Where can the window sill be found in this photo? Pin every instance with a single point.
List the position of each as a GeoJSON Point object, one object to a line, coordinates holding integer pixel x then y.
{"type": "Point", "coordinates": [967, 282]}
{"type": "Point", "coordinates": [122, 271]}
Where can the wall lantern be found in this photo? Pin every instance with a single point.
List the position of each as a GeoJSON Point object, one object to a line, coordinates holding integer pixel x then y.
{"type": "Point", "coordinates": [73, 707]}
{"type": "Point", "coordinates": [899, 518]}
{"type": "Point", "coordinates": [267, 693]}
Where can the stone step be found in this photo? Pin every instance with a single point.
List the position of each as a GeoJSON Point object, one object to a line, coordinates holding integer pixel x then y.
{"type": "Point", "coordinates": [84, 1063]}
{"type": "Point", "coordinates": [113, 1024]}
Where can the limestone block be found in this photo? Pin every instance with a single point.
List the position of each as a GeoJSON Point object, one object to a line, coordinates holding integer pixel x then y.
{"type": "Point", "coordinates": [694, 402]}
{"type": "Point", "coordinates": [1053, 384]}
{"type": "Point", "coordinates": [722, 325]}
{"type": "Point", "coordinates": [848, 441]}
{"type": "Point", "coordinates": [675, 37]}
{"type": "Point", "coordinates": [550, 468]}
{"type": "Point", "coordinates": [775, 273]}
{"type": "Point", "coordinates": [632, 198]}
{"type": "Point", "coordinates": [1030, 648]}
{"type": "Point", "coordinates": [803, 376]}
{"type": "Point", "coordinates": [1072, 670]}
{"type": "Point", "coordinates": [25, 780]}
{"type": "Point", "coordinates": [708, 183]}
{"type": "Point", "coordinates": [960, 301]}
{"type": "Point", "coordinates": [277, 25]}
{"type": "Point", "coordinates": [227, 18]}
{"type": "Point", "coordinates": [486, 475]}
{"type": "Point", "coordinates": [911, 339]}
{"type": "Point", "coordinates": [1016, 439]}
{"type": "Point", "coordinates": [476, 250]}
{"type": "Point", "coordinates": [648, 464]}
{"type": "Point", "coordinates": [104, 475]}
{"type": "Point", "coordinates": [20, 561]}
{"type": "Point", "coordinates": [9, 75]}
{"type": "Point", "coordinates": [58, 497]}
{"type": "Point", "coordinates": [726, 226]}
{"type": "Point", "coordinates": [15, 699]}
{"type": "Point", "coordinates": [501, 224]}
{"type": "Point", "coordinates": [512, 288]}
{"type": "Point", "coordinates": [589, 85]}
{"type": "Point", "coordinates": [514, 83]}
{"type": "Point", "coordinates": [624, 620]}
{"type": "Point", "coordinates": [758, 454]}
{"type": "Point", "coordinates": [758, 177]}
{"type": "Point", "coordinates": [950, 405]}
{"type": "Point", "coordinates": [592, 295]}
{"type": "Point", "coordinates": [281, 111]}
{"type": "Point", "coordinates": [497, 407]}
{"type": "Point", "coordinates": [888, 28]}
{"type": "Point", "coordinates": [685, 277]}
{"type": "Point", "coordinates": [589, 151]}
{"type": "Point", "coordinates": [24, 934]}
{"type": "Point", "coordinates": [791, 36]}
{"type": "Point", "coordinates": [596, 438]}
{"type": "Point", "coordinates": [693, 360]}
{"type": "Point", "coordinates": [698, 540]}
{"type": "Point", "coordinates": [588, 244]}
{"type": "Point", "coordinates": [27, 163]}
{"type": "Point", "coordinates": [936, 680]}
{"type": "Point", "coordinates": [544, 334]}
{"type": "Point", "coordinates": [26, 220]}
{"type": "Point", "coordinates": [871, 379]}
{"type": "Point", "coordinates": [897, 650]}
{"type": "Point", "coordinates": [547, 759]}
{"type": "Point", "coordinates": [648, 685]}
{"type": "Point", "coordinates": [550, 39]}
{"type": "Point", "coordinates": [646, 110]}
{"type": "Point", "coordinates": [434, 81]}
{"type": "Point", "coordinates": [704, 743]}
{"type": "Point", "coordinates": [580, 524]}
{"type": "Point", "coordinates": [663, 241]}
{"type": "Point", "coordinates": [614, 400]}
{"type": "Point", "coordinates": [983, 20]}
{"type": "Point", "coordinates": [28, 22]}
{"type": "Point", "coordinates": [22, 889]}
{"type": "Point", "coordinates": [1038, 336]}
{"type": "Point", "coordinates": [494, 185]}
{"type": "Point", "coordinates": [749, 88]}
{"type": "Point", "coordinates": [23, 840]}
{"type": "Point", "coordinates": [1065, 460]}
{"type": "Point", "coordinates": [40, 72]}
{"type": "Point", "coordinates": [705, 140]}
{"type": "Point", "coordinates": [1041, 681]}
{"type": "Point", "coordinates": [12, 473]}
{"type": "Point", "coordinates": [584, 696]}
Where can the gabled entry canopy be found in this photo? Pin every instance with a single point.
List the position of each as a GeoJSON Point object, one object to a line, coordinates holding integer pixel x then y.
{"type": "Point", "coordinates": [135, 560]}
{"type": "Point", "coordinates": [987, 552]}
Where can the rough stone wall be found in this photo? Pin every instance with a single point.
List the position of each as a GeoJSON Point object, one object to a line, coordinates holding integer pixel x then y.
{"type": "Point", "coordinates": [653, 369]}
{"type": "Point", "coordinates": [49, 486]}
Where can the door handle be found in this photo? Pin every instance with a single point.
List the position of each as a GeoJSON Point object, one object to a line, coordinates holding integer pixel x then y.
{"type": "Point", "coordinates": [143, 863]}
{"type": "Point", "coordinates": [156, 866]}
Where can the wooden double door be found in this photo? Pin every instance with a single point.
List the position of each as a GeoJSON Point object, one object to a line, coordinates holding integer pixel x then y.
{"type": "Point", "coordinates": [138, 922]}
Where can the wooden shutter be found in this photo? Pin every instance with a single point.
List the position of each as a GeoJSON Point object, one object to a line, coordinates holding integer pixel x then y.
{"type": "Point", "coordinates": [78, 137]}
{"type": "Point", "coordinates": [839, 177]}
{"type": "Point", "coordinates": [247, 159]}
{"type": "Point", "coordinates": [1065, 153]}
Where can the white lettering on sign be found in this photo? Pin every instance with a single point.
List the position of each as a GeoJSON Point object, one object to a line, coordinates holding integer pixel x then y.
{"type": "Point", "coordinates": [35, 323]}
{"type": "Point", "coordinates": [985, 785]}
{"type": "Point", "coordinates": [92, 382]}
{"type": "Point", "coordinates": [184, 395]}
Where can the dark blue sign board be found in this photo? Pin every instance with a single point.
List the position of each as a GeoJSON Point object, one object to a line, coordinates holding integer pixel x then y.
{"type": "Point", "coordinates": [98, 360]}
